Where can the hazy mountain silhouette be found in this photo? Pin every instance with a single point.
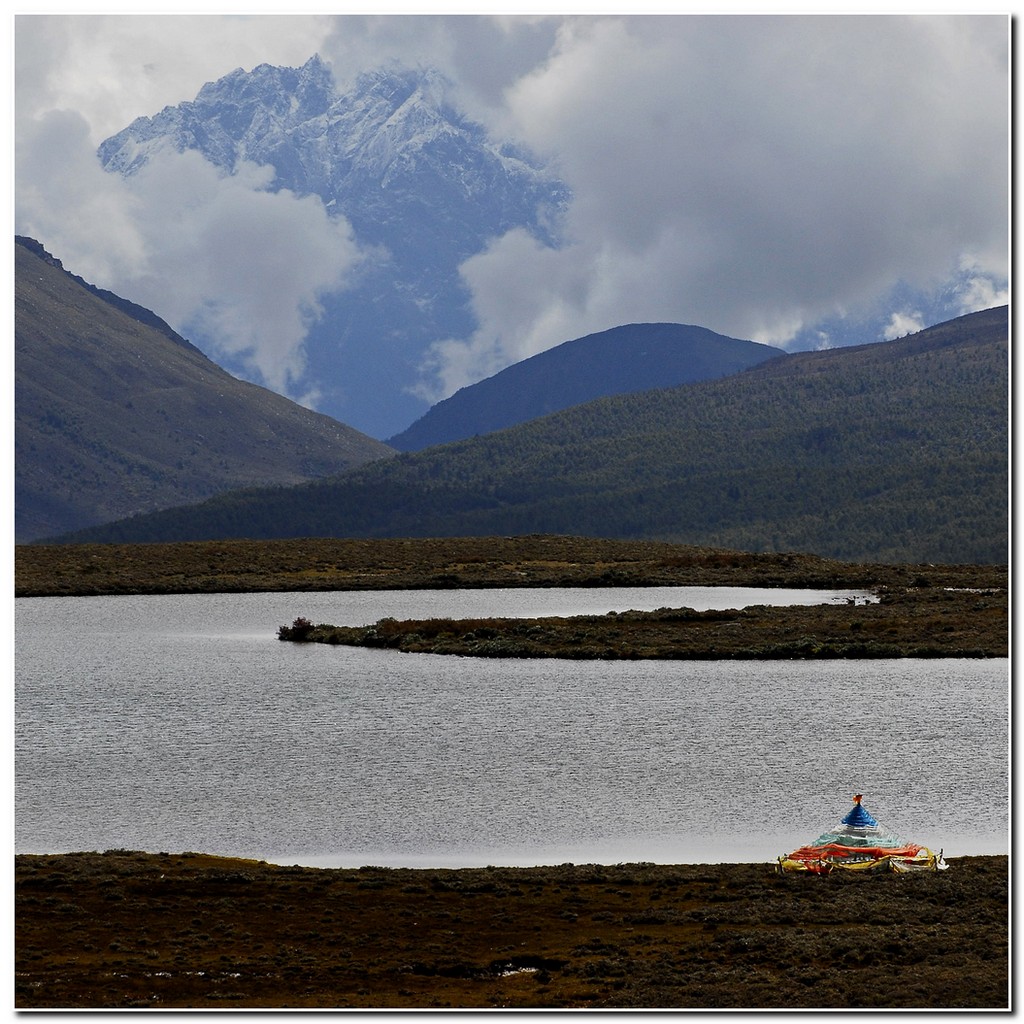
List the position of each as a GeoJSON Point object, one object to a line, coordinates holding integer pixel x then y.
{"type": "Point", "coordinates": [634, 357]}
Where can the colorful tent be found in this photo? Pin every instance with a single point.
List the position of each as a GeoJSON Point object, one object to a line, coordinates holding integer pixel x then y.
{"type": "Point", "coordinates": [860, 843]}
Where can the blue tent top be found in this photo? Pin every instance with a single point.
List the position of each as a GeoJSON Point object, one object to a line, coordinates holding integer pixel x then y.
{"type": "Point", "coordinates": [859, 817]}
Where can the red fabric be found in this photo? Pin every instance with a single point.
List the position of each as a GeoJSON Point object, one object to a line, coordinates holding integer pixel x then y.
{"type": "Point", "coordinates": [840, 852]}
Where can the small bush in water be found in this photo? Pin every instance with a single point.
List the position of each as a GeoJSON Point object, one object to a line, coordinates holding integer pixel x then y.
{"type": "Point", "coordinates": [298, 630]}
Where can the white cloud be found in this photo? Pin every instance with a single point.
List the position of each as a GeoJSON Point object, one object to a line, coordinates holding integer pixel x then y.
{"type": "Point", "coordinates": [481, 54]}
{"type": "Point", "coordinates": [113, 68]}
{"type": "Point", "coordinates": [979, 289]}
{"type": "Point", "coordinates": [210, 253]}
{"type": "Point", "coordinates": [902, 323]}
{"type": "Point", "coordinates": [64, 199]}
{"type": "Point", "coordinates": [247, 264]}
{"type": "Point", "coordinates": [755, 176]}
{"type": "Point", "coordinates": [545, 298]}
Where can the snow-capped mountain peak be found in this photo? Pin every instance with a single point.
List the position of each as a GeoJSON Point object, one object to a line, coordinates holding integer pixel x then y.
{"type": "Point", "coordinates": [422, 186]}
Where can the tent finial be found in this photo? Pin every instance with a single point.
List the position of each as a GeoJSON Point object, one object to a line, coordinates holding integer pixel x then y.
{"type": "Point", "coordinates": [857, 799]}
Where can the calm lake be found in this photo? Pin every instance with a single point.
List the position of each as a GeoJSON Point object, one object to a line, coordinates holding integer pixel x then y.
{"type": "Point", "coordinates": [180, 723]}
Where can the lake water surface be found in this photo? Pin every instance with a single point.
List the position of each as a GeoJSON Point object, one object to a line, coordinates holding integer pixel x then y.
{"type": "Point", "coordinates": [181, 723]}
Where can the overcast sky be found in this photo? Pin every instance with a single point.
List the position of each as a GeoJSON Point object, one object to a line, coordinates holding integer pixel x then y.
{"type": "Point", "coordinates": [760, 176]}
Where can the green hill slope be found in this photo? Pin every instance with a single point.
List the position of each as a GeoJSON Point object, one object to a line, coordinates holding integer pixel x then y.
{"type": "Point", "coordinates": [116, 414]}
{"type": "Point", "coordinates": [893, 452]}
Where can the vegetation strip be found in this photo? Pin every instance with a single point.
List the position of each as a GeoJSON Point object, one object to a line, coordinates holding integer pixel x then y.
{"type": "Point", "coordinates": [535, 560]}
{"type": "Point", "coordinates": [923, 622]}
{"type": "Point", "coordinates": [129, 930]}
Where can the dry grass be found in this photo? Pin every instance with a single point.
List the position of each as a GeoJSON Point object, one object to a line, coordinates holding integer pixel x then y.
{"type": "Point", "coordinates": [930, 622]}
{"type": "Point", "coordinates": [127, 929]}
{"type": "Point", "coordinates": [530, 561]}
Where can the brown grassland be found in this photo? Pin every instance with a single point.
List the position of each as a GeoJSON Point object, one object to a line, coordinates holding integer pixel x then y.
{"type": "Point", "coordinates": [920, 622]}
{"type": "Point", "coordinates": [239, 566]}
{"type": "Point", "coordinates": [130, 930]}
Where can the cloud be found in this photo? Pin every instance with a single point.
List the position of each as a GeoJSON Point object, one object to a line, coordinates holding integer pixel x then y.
{"type": "Point", "coordinates": [903, 323]}
{"type": "Point", "coordinates": [977, 288]}
{"type": "Point", "coordinates": [215, 254]}
{"type": "Point", "coordinates": [543, 304]}
{"type": "Point", "coordinates": [113, 68]}
{"type": "Point", "coordinates": [482, 55]}
{"type": "Point", "coordinates": [770, 178]}
{"type": "Point", "coordinates": [247, 264]}
{"type": "Point", "coordinates": [64, 199]}
{"type": "Point", "coordinates": [753, 175]}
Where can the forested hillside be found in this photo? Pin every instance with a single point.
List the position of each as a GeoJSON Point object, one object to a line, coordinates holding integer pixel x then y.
{"type": "Point", "coordinates": [891, 452]}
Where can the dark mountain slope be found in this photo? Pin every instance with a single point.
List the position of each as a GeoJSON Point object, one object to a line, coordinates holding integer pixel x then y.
{"type": "Point", "coordinates": [115, 414]}
{"type": "Point", "coordinates": [635, 357]}
{"type": "Point", "coordinates": [892, 452]}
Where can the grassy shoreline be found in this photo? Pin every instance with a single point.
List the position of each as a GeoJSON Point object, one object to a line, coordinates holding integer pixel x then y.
{"type": "Point", "coordinates": [130, 930]}
{"type": "Point", "coordinates": [916, 623]}
{"type": "Point", "coordinates": [240, 566]}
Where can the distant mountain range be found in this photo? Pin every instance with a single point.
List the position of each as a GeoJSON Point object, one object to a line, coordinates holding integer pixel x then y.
{"type": "Point", "coordinates": [423, 187]}
{"type": "Point", "coordinates": [117, 415]}
{"type": "Point", "coordinates": [634, 357]}
{"type": "Point", "coordinates": [894, 452]}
